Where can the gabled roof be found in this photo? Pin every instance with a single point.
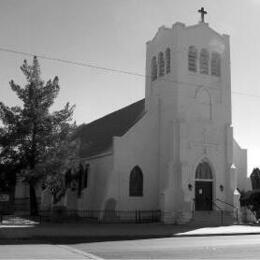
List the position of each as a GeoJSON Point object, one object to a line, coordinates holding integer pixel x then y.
{"type": "Point", "coordinates": [97, 136]}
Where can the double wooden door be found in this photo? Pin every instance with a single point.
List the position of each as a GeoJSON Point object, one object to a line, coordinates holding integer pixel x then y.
{"type": "Point", "coordinates": [203, 195]}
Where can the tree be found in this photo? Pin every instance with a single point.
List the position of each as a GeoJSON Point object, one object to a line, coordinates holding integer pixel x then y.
{"type": "Point", "coordinates": [56, 163]}
{"type": "Point", "coordinates": [251, 200]}
{"type": "Point", "coordinates": [31, 133]}
{"type": "Point", "coordinates": [255, 179]}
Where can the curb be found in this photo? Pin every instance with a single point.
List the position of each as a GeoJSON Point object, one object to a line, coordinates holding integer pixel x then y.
{"type": "Point", "coordinates": [91, 239]}
{"type": "Point", "coordinates": [217, 234]}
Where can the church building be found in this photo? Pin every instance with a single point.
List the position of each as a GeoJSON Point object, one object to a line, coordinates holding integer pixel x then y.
{"type": "Point", "coordinates": [174, 150]}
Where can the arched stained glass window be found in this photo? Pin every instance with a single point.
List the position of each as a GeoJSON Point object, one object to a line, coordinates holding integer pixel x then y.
{"type": "Point", "coordinates": [136, 182]}
{"type": "Point", "coordinates": [161, 64]}
{"type": "Point", "coordinates": [203, 171]}
{"type": "Point", "coordinates": [192, 59]}
{"type": "Point", "coordinates": [215, 64]}
{"type": "Point", "coordinates": [204, 61]}
{"type": "Point", "coordinates": [168, 60]}
{"type": "Point", "coordinates": [154, 68]}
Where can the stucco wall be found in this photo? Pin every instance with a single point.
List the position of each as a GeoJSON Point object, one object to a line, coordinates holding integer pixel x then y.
{"type": "Point", "coordinates": [138, 147]}
{"type": "Point", "coordinates": [93, 197]}
{"type": "Point", "coordinates": [240, 161]}
{"type": "Point", "coordinates": [187, 120]}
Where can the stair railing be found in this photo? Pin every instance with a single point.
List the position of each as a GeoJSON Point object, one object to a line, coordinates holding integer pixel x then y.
{"type": "Point", "coordinates": [221, 212]}
{"type": "Point", "coordinates": [230, 205]}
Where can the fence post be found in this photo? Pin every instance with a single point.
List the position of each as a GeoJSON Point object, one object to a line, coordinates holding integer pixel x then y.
{"type": "Point", "coordinates": [137, 216]}
{"type": "Point", "coordinates": [222, 217]}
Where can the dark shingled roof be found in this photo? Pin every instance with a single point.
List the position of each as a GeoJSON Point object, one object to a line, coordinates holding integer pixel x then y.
{"type": "Point", "coordinates": [97, 136]}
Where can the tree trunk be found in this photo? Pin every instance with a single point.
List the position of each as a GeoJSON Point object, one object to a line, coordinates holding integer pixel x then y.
{"type": "Point", "coordinates": [33, 198]}
{"type": "Point", "coordinates": [33, 201]}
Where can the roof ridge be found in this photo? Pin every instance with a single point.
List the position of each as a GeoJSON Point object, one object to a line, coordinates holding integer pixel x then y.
{"type": "Point", "coordinates": [97, 136]}
{"type": "Point", "coordinates": [114, 112]}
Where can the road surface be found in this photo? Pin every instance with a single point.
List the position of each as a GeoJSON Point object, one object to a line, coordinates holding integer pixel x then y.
{"type": "Point", "coordinates": [218, 247]}
{"type": "Point", "coordinates": [212, 247]}
{"type": "Point", "coordinates": [42, 251]}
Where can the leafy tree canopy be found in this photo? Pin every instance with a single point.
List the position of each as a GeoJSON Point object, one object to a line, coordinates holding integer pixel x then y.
{"type": "Point", "coordinates": [255, 178]}
{"type": "Point", "coordinates": [31, 136]}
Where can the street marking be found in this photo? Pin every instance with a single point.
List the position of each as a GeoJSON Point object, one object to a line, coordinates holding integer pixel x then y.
{"type": "Point", "coordinates": [80, 252]}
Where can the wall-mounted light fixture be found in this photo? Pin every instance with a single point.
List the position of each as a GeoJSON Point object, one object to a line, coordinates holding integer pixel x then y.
{"type": "Point", "coordinates": [221, 187]}
{"type": "Point", "coordinates": [190, 187]}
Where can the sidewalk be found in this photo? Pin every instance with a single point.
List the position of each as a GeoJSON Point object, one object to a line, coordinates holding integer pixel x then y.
{"type": "Point", "coordinates": [89, 232]}
{"type": "Point", "coordinates": [223, 230]}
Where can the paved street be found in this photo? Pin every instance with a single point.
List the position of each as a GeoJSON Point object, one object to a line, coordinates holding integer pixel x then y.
{"type": "Point", "coordinates": [212, 247]}
{"type": "Point", "coordinates": [175, 242]}
{"type": "Point", "coordinates": [42, 251]}
{"type": "Point", "coordinates": [218, 247]}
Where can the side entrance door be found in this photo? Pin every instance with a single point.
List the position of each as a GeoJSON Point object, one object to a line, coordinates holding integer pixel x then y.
{"type": "Point", "coordinates": [203, 195]}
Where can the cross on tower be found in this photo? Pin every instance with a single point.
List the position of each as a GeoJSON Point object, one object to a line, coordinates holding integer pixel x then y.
{"type": "Point", "coordinates": [203, 12]}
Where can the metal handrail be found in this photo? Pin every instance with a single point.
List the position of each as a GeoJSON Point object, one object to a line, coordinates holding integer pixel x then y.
{"type": "Point", "coordinates": [221, 212]}
{"type": "Point", "coordinates": [226, 203]}
{"type": "Point", "coordinates": [230, 205]}
{"type": "Point", "coordinates": [217, 205]}
{"type": "Point", "coordinates": [219, 208]}
{"type": "Point", "coordinates": [213, 202]}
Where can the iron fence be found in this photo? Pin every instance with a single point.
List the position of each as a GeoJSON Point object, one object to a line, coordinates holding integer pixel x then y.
{"type": "Point", "coordinates": [18, 205]}
{"type": "Point", "coordinates": [87, 216]}
{"type": "Point", "coordinates": [103, 216]}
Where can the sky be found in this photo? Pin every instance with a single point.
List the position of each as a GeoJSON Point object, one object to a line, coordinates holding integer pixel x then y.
{"type": "Point", "coordinates": [113, 34]}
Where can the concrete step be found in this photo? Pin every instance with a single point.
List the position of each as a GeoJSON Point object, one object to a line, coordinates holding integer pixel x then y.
{"type": "Point", "coordinates": [212, 218]}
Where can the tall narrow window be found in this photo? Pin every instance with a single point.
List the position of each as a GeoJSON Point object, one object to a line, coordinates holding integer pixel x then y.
{"type": "Point", "coordinates": [154, 68]}
{"type": "Point", "coordinates": [168, 60]}
{"type": "Point", "coordinates": [204, 61]}
{"type": "Point", "coordinates": [136, 182]}
{"type": "Point", "coordinates": [68, 178]}
{"type": "Point", "coordinates": [192, 59]}
{"type": "Point", "coordinates": [80, 179]}
{"type": "Point", "coordinates": [215, 64]}
{"type": "Point", "coordinates": [161, 64]}
{"type": "Point", "coordinates": [85, 180]}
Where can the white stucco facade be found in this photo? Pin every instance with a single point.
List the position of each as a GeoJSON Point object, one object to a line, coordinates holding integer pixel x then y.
{"type": "Point", "coordinates": [186, 122]}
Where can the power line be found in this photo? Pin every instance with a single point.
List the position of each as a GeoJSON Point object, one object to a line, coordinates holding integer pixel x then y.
{"type": "Point", "coordinates": [245, 94]}
{"type": "Point", "coordinates": [82, 64]}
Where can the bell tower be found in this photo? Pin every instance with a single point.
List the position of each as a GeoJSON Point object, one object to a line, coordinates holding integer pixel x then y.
{"type": "Point", "coordinates": [188, 68]}
{"type": "Point", "coordinates": [188, 84]}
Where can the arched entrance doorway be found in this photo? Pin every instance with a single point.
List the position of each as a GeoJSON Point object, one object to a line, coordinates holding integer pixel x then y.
{"type": "Point", "coordinates": [203, 187]}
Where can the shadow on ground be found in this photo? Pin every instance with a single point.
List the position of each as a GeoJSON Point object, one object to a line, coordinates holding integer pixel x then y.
{"type": "Point", "coordinates": [70, 233]}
